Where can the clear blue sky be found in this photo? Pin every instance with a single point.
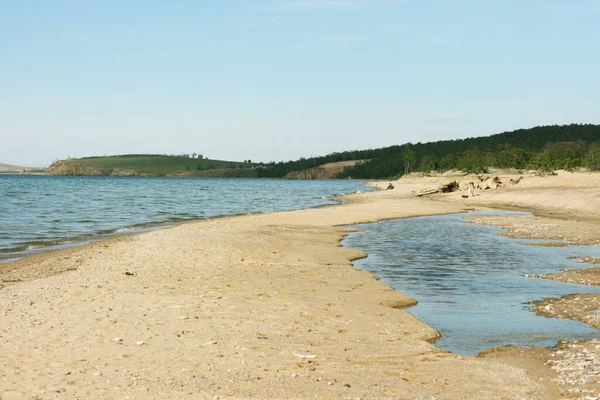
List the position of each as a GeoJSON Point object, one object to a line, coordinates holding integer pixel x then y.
{"type": "Point", "coordinates": [280, 79]}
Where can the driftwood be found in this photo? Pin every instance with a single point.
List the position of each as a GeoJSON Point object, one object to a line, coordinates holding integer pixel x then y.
{"type": "Point", "coordinates": [489, 183]}
{"type": "Point", "coordinates": [471, 189]}
{"type": "Point", "coordinates": [446, 188]}
{"type": "Point", "coordinates": [449, 187]}
{"type": "Point", "coordinates": [515, 181]}
{"type": "Point", "coordinates": [425, 192]}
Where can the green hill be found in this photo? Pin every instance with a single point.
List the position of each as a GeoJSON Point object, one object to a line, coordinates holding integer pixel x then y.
{"type": "Point", "coordinates": [150, 165]}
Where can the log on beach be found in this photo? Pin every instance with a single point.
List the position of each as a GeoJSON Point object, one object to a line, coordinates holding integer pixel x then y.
{"type": "Point", "coordinates": [426, 192]}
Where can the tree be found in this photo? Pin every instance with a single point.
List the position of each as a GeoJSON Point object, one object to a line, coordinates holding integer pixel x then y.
{"type": "Point", "coordinates": [566, 155]}
{"type": "Point", "coordinates": [511, 157]}
{"type": "Point", "coordinates": [408, 155]}
{"type": "Point", "coordinates": [447, 163]}
{"type": "Point", "coordinates": [542, 162]}
{"type": "Point", "coordinates": [428, 163]}
{"type": "Point", "coordinates": [592, 158]}
{"type": "Point", "coordinates": [473, 161]}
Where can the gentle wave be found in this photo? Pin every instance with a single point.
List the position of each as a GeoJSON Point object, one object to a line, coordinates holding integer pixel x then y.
{"type": "Point", "coordinates": [77, 210]}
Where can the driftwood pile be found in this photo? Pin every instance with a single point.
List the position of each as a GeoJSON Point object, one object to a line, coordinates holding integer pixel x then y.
{"type": "Point", "coordinates": [449, 187]}
{"type": "Point", "coordinates": [482, 183]}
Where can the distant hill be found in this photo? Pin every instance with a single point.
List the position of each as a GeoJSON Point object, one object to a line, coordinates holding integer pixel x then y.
{"type": "Point", "coordinates": [16, 168]}
{"type": "Point", "coordinates": [542, 147]}
{"type": "Point", "coordinates": [150, 165]}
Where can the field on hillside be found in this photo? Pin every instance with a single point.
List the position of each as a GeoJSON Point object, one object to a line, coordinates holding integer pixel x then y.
{"type": "Point", "coordinates": [156, 164]}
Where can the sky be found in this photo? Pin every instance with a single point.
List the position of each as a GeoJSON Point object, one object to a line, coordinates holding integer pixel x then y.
{"type": "Point", "coordinates": [273, 80]}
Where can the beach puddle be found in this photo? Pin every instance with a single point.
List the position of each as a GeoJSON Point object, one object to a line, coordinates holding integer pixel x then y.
{"type": "Point", "coordinates": [471, 283]}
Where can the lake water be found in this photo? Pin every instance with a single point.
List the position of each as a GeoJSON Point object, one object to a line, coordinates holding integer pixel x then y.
{"type": "Point", "coordinates": [470, 282]}
{"type": "Point", "coordinates": [39, 213]}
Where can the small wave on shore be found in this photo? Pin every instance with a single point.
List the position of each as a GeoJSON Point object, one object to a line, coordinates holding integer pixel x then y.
{"type": "Point", "coordinates": [44, 213]}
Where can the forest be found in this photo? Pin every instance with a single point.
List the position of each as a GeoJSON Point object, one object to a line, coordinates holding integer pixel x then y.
{"type": "Point", "coordinates": [543, 148]}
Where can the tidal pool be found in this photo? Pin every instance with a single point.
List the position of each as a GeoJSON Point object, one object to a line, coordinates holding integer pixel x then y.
{"type": "Point", "coordinates": [470, 282]}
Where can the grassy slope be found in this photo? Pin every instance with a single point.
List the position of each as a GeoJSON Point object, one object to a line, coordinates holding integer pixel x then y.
{"type": "Point", "coordinates": [157, 164]}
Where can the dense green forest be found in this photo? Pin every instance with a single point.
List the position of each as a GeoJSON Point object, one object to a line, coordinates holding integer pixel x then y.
{"type": "Point", "coordinates": [543, 148]}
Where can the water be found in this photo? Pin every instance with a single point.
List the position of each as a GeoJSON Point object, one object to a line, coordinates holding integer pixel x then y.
{"type": "Point", "coordinates": [38, 213]}
{"type": "Point", "coordinates": [470, 283]}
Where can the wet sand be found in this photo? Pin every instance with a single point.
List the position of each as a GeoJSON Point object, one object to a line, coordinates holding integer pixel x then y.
{"type": "Point", "coordinates": [259, 306]}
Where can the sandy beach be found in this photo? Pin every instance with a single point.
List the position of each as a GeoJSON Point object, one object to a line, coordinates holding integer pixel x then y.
{"type": "Point", "coordinates": [268, 306]}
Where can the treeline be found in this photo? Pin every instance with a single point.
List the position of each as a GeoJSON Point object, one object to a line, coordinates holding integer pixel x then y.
{"type": "Point", "coordinates": [543, 148]}
{"type": "Point", "coordinates": [280, 169]}
{"type": "Point", "coordinates": [553, 156]}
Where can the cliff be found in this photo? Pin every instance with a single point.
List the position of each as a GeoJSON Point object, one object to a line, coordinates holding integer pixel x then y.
{"type": "Point", "coordinates": [325, 171]}
{"type": "Point", "coordinates": [71, 167]}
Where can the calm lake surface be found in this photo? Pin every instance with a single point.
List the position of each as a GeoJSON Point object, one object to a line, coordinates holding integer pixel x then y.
{"type": "Point", "coordinates": [39, 213]}
{"type": "Point", "coordinates": [471, 283]}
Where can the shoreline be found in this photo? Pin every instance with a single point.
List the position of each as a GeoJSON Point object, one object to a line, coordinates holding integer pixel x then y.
{"type": "Point", "coordinates": [52, 252]}
{"type": "Point", "coordinates": [335, 332]}
{"type": "Point", "coordinates": [86, 239]}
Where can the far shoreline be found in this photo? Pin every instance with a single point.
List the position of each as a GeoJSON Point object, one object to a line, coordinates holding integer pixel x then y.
{"type": "Point", "coordinates": [94, 237]}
